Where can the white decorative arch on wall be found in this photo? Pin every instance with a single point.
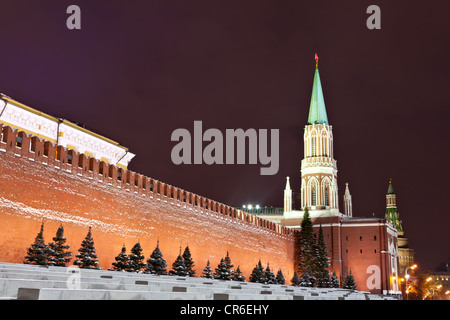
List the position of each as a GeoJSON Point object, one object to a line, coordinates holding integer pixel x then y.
{"type": "Point", "coordinates": [326, 190]}
{"type": "Point", "coordinates": [313, 183]}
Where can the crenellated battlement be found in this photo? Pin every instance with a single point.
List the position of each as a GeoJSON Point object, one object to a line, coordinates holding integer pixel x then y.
{"type": "Point", "coordinates": [34, 148]}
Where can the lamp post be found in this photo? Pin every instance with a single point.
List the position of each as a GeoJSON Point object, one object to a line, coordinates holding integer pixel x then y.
{"type": "Point", "coordinates": [407, 278]}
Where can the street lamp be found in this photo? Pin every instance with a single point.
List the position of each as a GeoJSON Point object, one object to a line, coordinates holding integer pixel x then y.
{"type": "Point", "coordinates": [407, 278]}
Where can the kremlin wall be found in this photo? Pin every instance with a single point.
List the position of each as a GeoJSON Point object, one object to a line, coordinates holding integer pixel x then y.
{"type": "Point", "coordinates": [45, 182]}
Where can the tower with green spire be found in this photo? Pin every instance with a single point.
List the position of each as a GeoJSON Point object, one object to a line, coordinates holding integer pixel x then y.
{"type": "Point", "coordinates": [319, 191]}
{"type": "Point", "coordinates": [406, 254]}
{"type": "Point", "coordinates": [391, 208]}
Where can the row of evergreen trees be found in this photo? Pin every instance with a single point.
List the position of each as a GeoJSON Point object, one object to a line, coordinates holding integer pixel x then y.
{"type": "Point", "coordinates": [313, 261]}
{"type": "Point", "coordinates": [156, 264]}
{"type": "Point", "coordinates": [313, 264]}
{"type": "Point", "coordinates": [183, 266]}
{"type": "Point", "coordinates": [57, 253]}
{"type": "Point", "coordinates": [261, 275]}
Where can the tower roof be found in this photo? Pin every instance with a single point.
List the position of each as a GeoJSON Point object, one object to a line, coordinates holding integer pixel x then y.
{"type": "Point", "coordinates": [390, 188]}
{"type": "Point", "coordinates": [317, 111]}
{"type": "Point", "coordinates": [288, 185]}
{"type": "Point", "coordinates": [347, 190]}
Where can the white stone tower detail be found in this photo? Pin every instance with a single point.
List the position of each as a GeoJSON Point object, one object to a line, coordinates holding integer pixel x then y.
{"type": "Point", "coordinates": [287, 196]}
{"type": "Point", "coordinates": [348, 211]}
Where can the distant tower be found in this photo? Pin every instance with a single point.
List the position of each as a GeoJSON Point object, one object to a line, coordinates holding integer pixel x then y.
{"type": "Point", "coordinates": [391, 208]}
{"type": "Point", "coordinates": [319, 191]}
{"type": "Point", "coordinates": [348, 211]}
{"type": "Point", "coordinates": [287, 196]}
{"type": "Point", "coordinates": [405, 254]}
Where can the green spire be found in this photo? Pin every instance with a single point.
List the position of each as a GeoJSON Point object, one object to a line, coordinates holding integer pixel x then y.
{"type": "Point", "coordinates": [390, 188]}
{"type": "Point", "coordinates": [317, 111]}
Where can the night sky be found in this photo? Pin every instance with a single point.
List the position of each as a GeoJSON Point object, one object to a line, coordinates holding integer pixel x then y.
{"type": "Point", "coordinates": [138, 70]}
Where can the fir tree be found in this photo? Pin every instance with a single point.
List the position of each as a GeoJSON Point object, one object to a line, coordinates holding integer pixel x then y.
{"type": "Point", "coordinates": [178, 267]}
{"type": "Point", "coordinates": [295, 281]}
{"type": "Point", "coordinates": [307, 245]}
{"type": "Point", "coordinates": [136, 259]}
{"type": "Point", "coordinates": [122, 261]}
{"type": "Point", "coordinates": [334, 282]}
{"type": "Point", "coordinates": [321, 262]}
{"type": "Point", "coordinates": [156, 264]}
{"type": "Point", "coordinates": [257, 274]}
{"type": "Point", "coordinates": [269, 276]}
{"type": "Point", "coordinates": [230, 266]}
{"type": "Point", "coordinates": [238, 276]}
{"type": "Point", "coordinates": [307, 280]}
{"type": "Point", "coordinates": [38, 252]}
{"type": "Point", "coordinates": [349, 282]}
{"type": "Point", "coordinates": [280, 278]}
{"type": "Point", "coordinates": [188, 262]}
{"type": "Point", "coordinates": [87, 257]}
{"type": "Point", "coordinates": [222, 271]}
{"type": "Point", "coordinates": [58, 254]}
{"type": "Point", "coordinates": [207, 272]}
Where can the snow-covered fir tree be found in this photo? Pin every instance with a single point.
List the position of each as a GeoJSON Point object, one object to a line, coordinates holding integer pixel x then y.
{"type": "Point", "coordinates": [178, 267]}
{"type": "Point", "coordinates": [349, 282]}
{"type": "Point", "coordinates": [86, 257]}
{"type": "Point", "coordinates": [269, 276]}
{"type": "Point", "coordinates": [156, 264]}
{"type": "Point", "coordinates": [122, 261]}
{"type": "Point", "coordinates": [38, 252]}
{"type": "Point", "coordinates": [136, 259]}
{"type": "Point", "coordinates": [207, 272]}
{"type": "Point", "coordinates": [321, 265]}
{"type": "Point", "coordinates": [58, 251]}
{"type": "Point", "coordinates": [257, 274]}
{"type": "Point", "coordinates": [307, 280]}
{"type": "Point", "coordinates": [238, 275]}
{"type": "Point", "coordinates": [230, 266]}
{"type": "Point", "coordinates": [189, 262]}
{"type": "Point", "coordinates": [295, 281]}
{"type": "Point", "coordinates": [280, 278]}
{"type": "Point", "coordinates": [307, 245]}
{"type": "Point", "coordinates": [334, 281]}
{"type": "Point", "coordinates": [222, 271]}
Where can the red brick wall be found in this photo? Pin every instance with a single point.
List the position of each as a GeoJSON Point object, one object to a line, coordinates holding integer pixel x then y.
{"type": "Point", "coordinates": [35, 187]}
{"type": "Point", "coordinates": [356, 245]}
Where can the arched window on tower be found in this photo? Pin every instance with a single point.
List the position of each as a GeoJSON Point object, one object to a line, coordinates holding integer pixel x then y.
{"type": "Point", "coordinates": [327, 203]}
{"type": "Point", "coordinates": [313, 196]}
{"type": "Point", "coordinates": [331, 148]}
{"type": "Point", "coordinates": [324, 146]}
{"type": "Point", "coordinates": [313, 142]}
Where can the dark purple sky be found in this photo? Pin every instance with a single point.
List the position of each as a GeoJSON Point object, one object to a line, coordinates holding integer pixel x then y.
{"type": "Point", "coordinates": [138, 70]}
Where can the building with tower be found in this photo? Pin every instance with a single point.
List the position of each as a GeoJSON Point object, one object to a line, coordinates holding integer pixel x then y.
{"type": "Point", "coordinates": [365, 246]}
{"type": "Point", "coordinates": [405, 253]}
{"type": "Point", "coordinates": [57, 171]}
